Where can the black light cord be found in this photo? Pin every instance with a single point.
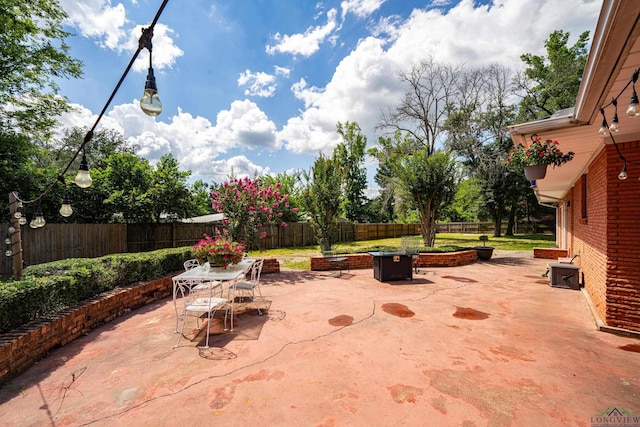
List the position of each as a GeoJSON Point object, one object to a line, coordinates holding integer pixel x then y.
{"type": "Point", "coordinates": [614, 102]}
{"type": "Point", "coordinates": [143, 42]}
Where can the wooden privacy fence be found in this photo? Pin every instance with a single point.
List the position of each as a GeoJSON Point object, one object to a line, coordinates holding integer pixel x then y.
{"type": "Point", "coordinates": [60, 241]}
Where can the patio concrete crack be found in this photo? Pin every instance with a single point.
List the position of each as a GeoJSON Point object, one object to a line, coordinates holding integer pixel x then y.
{"type": "Point", "coordinates": [375, 302]}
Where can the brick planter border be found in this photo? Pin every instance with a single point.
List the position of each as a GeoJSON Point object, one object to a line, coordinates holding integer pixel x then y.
{"type": "Point", "coordinates": [362, 261]}
{"type": "Point", "coordinates": [24, 346]}
{"type": "Point", "coordinates": [549, 253]}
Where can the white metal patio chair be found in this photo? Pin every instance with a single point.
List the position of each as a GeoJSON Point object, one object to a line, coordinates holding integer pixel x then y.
{"type": "Point", "coordinates": [249, 286]}
{"type": "Point", "coordinates": [190, 263]}
{"type": "Point", "coordinates": [194, 263]}
{"type": "Point", "coordinates": [195, 303]}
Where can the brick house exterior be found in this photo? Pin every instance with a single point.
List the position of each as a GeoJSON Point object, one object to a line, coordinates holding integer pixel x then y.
{"type": "Point", "coordinates": [598, 214]}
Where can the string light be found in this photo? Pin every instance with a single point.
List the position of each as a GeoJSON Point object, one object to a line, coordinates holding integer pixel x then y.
{"type": "Point", "coordinates": [614, 127]}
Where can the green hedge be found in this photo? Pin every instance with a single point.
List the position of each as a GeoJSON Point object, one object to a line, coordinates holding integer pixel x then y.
{"type": "Point", "coordinates": [54, 286]}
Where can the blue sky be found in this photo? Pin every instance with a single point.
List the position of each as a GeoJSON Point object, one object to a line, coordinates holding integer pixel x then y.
{"type": "Point", "coordinates": [259, 85]}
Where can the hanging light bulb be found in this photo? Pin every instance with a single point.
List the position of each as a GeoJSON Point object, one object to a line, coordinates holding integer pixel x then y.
{"type": "Point", "coordinates": [8, 252]}
{"type": "Point", "coordinates": [615, 127]}
{"type": "Point", "coordinates": [7, 240]}
{"type": "Point", "coordinates": [634, 106]}
{"type": "Point", "coordinates": [623, 173]}
{"type": "Point", "coordinates": [39, 219]}
{"type": "Point", "coordinates": [22, 220]}
{"type": "Point", "coordinates": [603, 128]}
{"type": "Point", "coordinates": [65, 209]}
{"type": "Point", "coordinates": [11, 229]}
{"type": "Point", "coordinates": [83, 179]}
{"type": "Point", "coordinates": [150, 103]}
{"type": "Point", "coordinates": [33, 223]}
{"type": "Point", "coordinates": [17, 214]}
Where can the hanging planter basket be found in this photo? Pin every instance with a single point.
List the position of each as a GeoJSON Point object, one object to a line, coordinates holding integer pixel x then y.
{"type": "Point", "coordinates": [535, 172]}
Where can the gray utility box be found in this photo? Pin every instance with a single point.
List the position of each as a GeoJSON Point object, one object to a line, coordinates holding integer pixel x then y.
{"type": "Point", "coordinates": [564, 276]}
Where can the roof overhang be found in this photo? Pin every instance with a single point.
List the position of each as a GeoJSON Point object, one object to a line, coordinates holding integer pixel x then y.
{"type": "Point", "coordinates": [613, 57]}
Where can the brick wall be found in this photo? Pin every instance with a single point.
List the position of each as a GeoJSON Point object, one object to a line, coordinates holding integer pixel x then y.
{"type": "Point", "coordinates": [588, 235]}
{"type": "Point", "coordinates": [22, 347]}
{"type": "Point", "coordinates": [623, 238]}
{"type": "Point", "coordinates": [362, 261]}
{"type": "Point", "coordinates": [607, 239]}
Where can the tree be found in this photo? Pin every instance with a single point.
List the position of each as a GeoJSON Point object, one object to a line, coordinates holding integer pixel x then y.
{"type": "Point", "coordinates": [477, 133]}
{"type": "Point", "coordinates": [430, 180]}
{"type": "Point", "coordinates": [168, 192]}
{"type": "Point", "coordinates": [350, 155]}
{"type": "Point", "coordinates": [248, 206]}
{"type": "Point", "coordinates": [33, 55]}
{"type": "Point", "coordinates": [432, 87]}
{"type": "Point", "coordinates": [322, 198]}
{"type": "Point", "coordinates": [288, 183]}
{"type": "Point", "coordinates": [551, 83]}
{"type": "Point", "coordinates": [128, 179]}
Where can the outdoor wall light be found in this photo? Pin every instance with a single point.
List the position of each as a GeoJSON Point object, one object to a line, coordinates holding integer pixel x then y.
{"type": "Point", "coordinates": [83, 178]}
{"type": "Point", "coordinates": [149, 103]}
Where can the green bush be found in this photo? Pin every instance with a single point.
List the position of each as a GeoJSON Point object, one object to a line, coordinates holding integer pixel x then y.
{"type": "Point", "coordinates": [51, 287]}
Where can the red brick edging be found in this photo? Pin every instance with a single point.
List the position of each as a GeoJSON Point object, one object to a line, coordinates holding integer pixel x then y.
{"type": "Point", "coordinates": [549, 253]}
{"type": "Point", "coordinates": [361, 261]}
{"type": "Point", "coordinates": [24, 346]}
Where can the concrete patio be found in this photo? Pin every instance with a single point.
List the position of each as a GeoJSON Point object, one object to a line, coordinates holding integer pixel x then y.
{"type": "Point", "coordinates": [486, 344]}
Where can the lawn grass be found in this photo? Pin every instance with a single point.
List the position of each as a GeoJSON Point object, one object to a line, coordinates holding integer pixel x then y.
{"type": "Point", "coordinates": [298, 258]}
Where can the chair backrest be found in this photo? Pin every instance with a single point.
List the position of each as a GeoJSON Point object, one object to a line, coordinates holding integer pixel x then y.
{"type": "Point", "coordinates": [256, 270]}
{"type": "Point", "coordinates": [191, 263]}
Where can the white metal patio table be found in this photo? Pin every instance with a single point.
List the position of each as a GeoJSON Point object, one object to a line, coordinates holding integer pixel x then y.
{"type": "Point", "coordinates": [201, 274]}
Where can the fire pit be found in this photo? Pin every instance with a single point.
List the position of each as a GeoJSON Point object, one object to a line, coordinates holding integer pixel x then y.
{"type": "Point", "coordinates": [389, 266]}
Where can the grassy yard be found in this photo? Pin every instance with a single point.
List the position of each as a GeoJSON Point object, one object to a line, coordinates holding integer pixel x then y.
{"type": "Point", "coordinates": [298, 258]}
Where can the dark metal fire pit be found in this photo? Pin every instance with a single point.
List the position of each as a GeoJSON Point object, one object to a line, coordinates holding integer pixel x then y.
{"type": "Point", "coordinates": [389, 266]}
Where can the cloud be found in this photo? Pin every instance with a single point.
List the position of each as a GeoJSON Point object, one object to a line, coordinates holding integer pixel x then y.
{"type": "Point", "coordinates": [305, 44]}
{"type": "Point", "coordinates": [97, 19]}
{"type": "Point", "coordinates": [260, 84]}
{"type": "Point", "coordinates": [360, 8]}
{"type": "Point", "coordinates": [194, 141]}
{"type": "Point", "coordinates": [165, 52]}
{"type": "Point", "coordinates": [365, 81]}
{"type": "Point", "coordinates": [240, 166]}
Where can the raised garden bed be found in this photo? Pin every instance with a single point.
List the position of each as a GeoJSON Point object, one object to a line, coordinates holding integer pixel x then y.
{"type": "Point", "coordinates": [362, 261]}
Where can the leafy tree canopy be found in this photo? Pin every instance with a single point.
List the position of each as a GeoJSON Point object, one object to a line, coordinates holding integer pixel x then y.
{"type": "Point", "coordinates": [33, 55]}
{"type": "Point", "coordinates": [551, 82]}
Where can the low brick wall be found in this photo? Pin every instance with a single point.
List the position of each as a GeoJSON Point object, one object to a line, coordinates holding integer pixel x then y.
{"type": "Point", "coordinates": [549, 253]}
{"type": "Point", "coordinates": [362, 261]}
{"type": "Point", "coordinates": [24, 346]}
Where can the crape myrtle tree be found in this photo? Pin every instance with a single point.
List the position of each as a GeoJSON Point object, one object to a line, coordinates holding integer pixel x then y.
{"type": "Point", "coordinates": [322, 198]}
{"type": "Point", "coordinates": [248, 206]}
